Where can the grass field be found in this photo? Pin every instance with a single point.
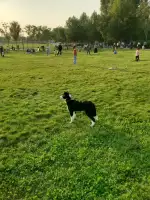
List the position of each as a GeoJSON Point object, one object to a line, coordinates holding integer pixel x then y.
{"type": "Point", "coordinates": [42, 156]}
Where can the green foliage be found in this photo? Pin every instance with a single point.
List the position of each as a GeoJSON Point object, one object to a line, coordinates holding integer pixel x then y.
{"type": "Point", "coordinates": [31, 32]}
{"type": "Point", "coordinates": [143, 13]}
{"type": "Point", "coordinates": [15, 30]}
{"type": "Point", "coordinates": [105, 6]}
{"type": "Point", "coordinates": [122, 19]}
{"type": "Point", "coordinates": [85, 29]}
{"type": "Point", "coordinates": [59, 34]}
{"type": "Point", "coordinates": [4, 30]}
{"type": "Point", "coordinates": [42, 156]}
{"type": "Point", "coordinates": [119, 20]}
{"type": "Point", "coordinates": [73, 28]}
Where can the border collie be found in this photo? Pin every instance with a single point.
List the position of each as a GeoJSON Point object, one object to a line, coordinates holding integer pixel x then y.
{"type": "Point", "coordinates": [74, 106]}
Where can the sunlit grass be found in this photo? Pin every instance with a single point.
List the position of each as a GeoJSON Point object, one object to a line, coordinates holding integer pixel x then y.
{"type": "Point", "coordinates": [45, 157]}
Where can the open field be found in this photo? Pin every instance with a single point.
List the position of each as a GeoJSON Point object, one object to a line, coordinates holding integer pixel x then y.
{"type": "Point", "coordinates": [42, 156]}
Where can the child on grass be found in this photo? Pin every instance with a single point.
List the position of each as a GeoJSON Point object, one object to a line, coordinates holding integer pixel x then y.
{"type": "Point", "coordinates": [137, 55]}
{"type": "Point", "coordinates": [75, 55]}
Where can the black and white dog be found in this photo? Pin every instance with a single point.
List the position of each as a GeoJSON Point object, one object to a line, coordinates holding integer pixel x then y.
{"type": "Point", "coordinates": [74, 106]}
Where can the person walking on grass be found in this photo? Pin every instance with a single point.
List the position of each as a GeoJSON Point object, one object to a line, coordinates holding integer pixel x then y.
{"type": "Point", "coordinates": [75, 55]}
{"type": "Point", "coordinates": [88, 49]}
{"type": "Point", "coordinates": [48, 50]}
{"type": "Point", "coordinates": [59, 49]}
{"type": "Point", "coordinates": [2, 51]}
{"type": "Point", "coordinates": [137, 55]}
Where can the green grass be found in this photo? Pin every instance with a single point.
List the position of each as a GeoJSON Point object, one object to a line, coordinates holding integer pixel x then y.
{"type": "Point", "coordinates": [42, 156]}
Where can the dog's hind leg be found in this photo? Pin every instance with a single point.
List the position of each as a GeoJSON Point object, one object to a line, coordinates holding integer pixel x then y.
{"type": "Point", "coordinates": [92, 119]}
{"type": "Point", "coordinates": [92, 124]}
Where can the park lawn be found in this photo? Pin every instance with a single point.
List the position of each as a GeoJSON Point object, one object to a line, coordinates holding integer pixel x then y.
{"type": "Point", "coordinates": [42, 156]}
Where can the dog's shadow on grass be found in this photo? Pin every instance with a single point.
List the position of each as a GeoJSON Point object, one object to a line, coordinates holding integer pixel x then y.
{"type": "Point", "coordinates": [7, 57]}
{"type": "Point", "coordinates": [105, 136]}
{"type": "Point", "coordinates": [143, 60]}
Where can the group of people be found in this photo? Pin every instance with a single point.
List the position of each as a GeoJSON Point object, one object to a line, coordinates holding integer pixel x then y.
{"type": "Point", "coordinates": [57, 50]}
{"type": "Point", "coordinates": [137, 53]}
{"type": "Point", "coordinates": [88, 49]}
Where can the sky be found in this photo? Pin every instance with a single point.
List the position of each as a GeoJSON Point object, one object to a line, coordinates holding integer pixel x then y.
{"type": "Point", "coordinates": [51, 13]}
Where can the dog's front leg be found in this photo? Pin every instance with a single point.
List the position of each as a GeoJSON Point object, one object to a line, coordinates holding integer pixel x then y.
{"type": "Point", "coordinates": [73, 116]}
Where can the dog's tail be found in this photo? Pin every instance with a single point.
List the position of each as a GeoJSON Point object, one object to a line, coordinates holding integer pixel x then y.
{"type": "Point", "coordinates": [96, 118]}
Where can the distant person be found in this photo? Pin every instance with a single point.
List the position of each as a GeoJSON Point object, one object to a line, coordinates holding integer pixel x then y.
{"type": "Point", "coordinates": [114, 47]}
{"type": "Point", "coordinates": [42, 48]}
{"type": "Point", "coordinates": [115, 51]}
{"type": "Point", "coordinates": [118, 44]}
{"type": "Point", "coordinates": [32, 50]}
{"type": "Point", "coordinates": [131, 45]}
{"type": "Point", "coordinates": [2, 51]}
{"type": "Point", "coordinates": [88, 50]}
{"type": "Point", "coordinates": [48, 50]}
{"type": "Point", "coordinates": [74, 55]}
{"type": "Point", "coordinates": [56, 50]}
{"type": "Point", "coordinates": [95, 48]}
{"type": "Point", "coordinates": [79, 48]}
{"type": "Point", "coordinates": [59, 49]}
{"type": "Point", "coordinates": [28, 51]}
{"type": "Point", "coordinates": [38, 49]}
{"type": "Point", "coordinates": [137, 55]}
{"type": "Point", "coordinates": [13, 48]}
{"type": "Point", "coordinates": [138, 45]}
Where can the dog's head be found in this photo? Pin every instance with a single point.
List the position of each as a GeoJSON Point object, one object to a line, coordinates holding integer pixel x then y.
{"type": "Point", "coordinates": [66, 96]}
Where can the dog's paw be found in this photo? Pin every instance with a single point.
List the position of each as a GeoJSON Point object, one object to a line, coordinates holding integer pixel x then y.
{"type": "Point", "coordinates": [93, 124]}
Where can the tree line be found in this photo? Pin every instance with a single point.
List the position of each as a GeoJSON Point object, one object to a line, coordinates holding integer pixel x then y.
{"type": "Point", "coordinates": [118, 20]}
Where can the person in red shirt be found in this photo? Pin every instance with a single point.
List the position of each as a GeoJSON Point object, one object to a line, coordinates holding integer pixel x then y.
{"type": "Point", "coordinates": [75, 55]}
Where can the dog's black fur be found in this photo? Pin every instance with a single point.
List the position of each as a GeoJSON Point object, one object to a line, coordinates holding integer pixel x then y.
{"type": "Point", "coordinates": [74, 106]}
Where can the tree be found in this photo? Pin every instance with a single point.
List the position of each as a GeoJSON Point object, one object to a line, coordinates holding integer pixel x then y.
{"type": "Point", "coordinates": [143, 14]}
{"type": "Point", "coordinates": [15, 30]}
{"type": "Point", "coordinates": [22, 39]}
{"type": "Point", "coordinates": [31, 31]}
{"type": "Point", "coordinates": [73, 28]}
{"type": "Point", "coordinates": [5, 32]}
{"type": "Point", "coordinates": [84, 22]}
{"type": "Point", "coordinates": [104, 23]}
{"type": "Point", "coordinates": [105, 6]}
{"type": "Point", "coordinates": [38, 32]}
{"type": "Point", "coordinates": [28, 30]}
{"type": "Point", "coordinates": [123, 20]}
{"type": "Point", "coordinates": [46, 34]}
{"type": "Point", "coordinates": [94, 31]}
{"type": "Point", "coordinates": [59, 34]}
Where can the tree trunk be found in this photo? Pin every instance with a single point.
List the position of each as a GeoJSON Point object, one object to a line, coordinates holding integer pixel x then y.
{"type": "Point", "coordinates": [16, 44]}
{"type": "Point", "coordinates": [8, 42]}
{"type": "Point", "coordinates": [146, 35]}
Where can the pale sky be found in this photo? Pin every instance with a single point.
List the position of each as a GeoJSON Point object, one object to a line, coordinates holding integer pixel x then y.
{"type": "Point", "coordinates": [51, 13]}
